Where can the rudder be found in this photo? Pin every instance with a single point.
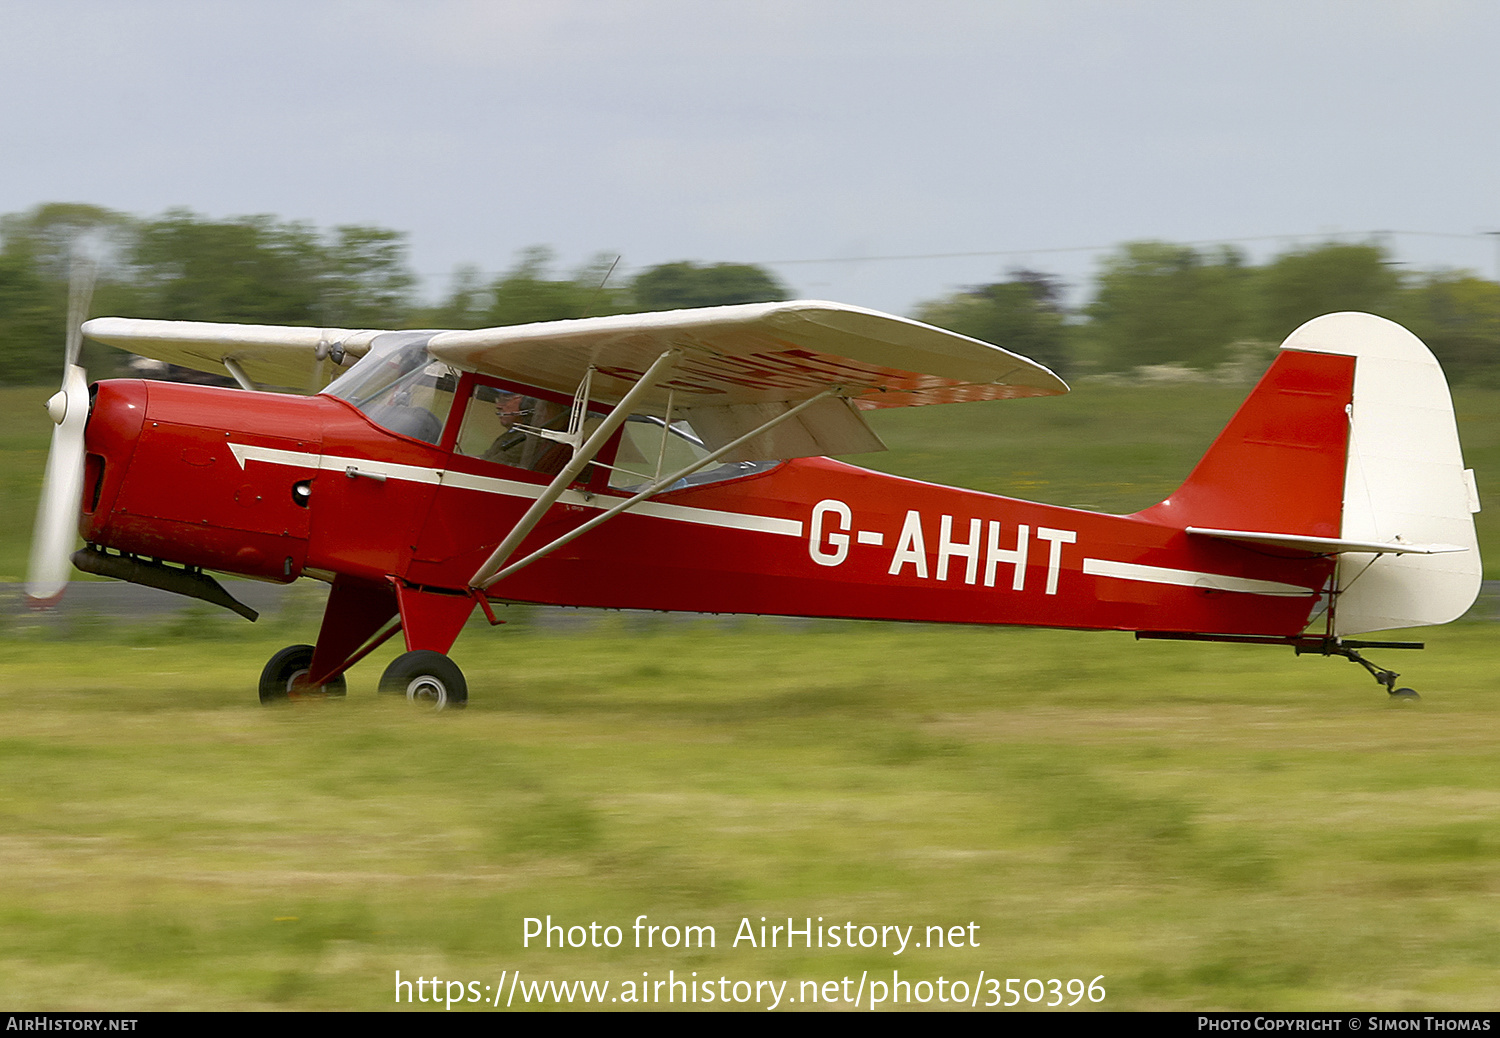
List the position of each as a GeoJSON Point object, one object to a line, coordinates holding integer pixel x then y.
{"type": "Point", "coordinates": [1405, 479]}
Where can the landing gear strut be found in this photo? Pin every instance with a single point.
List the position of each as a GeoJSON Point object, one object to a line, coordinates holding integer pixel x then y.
{"type": "Point", "coordinates": [1350, 651]}
{"type": "Point", "coordinates": [1308, 645]}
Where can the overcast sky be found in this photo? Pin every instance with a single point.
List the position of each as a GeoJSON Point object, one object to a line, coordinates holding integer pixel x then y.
{"type": "Point", "coordinates": [761, 130]}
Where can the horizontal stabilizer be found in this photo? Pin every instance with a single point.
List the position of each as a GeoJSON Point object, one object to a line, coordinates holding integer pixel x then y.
{"type": "Point", "coordinates": [1326, 545]}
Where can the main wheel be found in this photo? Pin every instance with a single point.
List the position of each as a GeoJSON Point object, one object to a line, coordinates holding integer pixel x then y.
{"type": "Point", "coordinates": [424, 676]}
{"type": "Point", "coordinates": [285, 677]}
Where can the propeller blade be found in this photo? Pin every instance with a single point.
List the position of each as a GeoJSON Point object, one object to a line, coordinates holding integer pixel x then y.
{"type": "Point", "coordinates": [80, 294]}
{"type": "Point", "coordinates": [56, 527]}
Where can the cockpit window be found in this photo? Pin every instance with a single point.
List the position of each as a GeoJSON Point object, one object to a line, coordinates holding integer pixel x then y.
{"type": "Point", "coordinates": [504, 426]}
{"type": "Point", "coordinates": [650, 448]}
{"type": "Point", "coordinates": [398, 385]}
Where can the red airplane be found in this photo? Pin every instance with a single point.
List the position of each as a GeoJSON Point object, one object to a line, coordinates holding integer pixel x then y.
{"type": "Point", "coordinates": [672, 461]}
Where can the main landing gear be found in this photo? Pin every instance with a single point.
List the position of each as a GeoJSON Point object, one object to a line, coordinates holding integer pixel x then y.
{"type": "Point", "coordinates": [423, 676]}
{"type": "Point", "coordinates": [360, 617]}
{"type": "Point", "coordinates": [426, 677]}
{"type": "Point", "coordinates": [285, 677]}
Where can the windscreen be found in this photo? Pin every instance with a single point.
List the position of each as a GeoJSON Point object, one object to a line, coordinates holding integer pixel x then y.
{"type": "Point", "coordinates": [399, 386]}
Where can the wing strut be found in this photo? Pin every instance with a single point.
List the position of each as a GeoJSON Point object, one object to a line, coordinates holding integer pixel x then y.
{"type": "Point", "coordinates": [238, 373]}
{"type": "Point", "coordinates": [581, 457]}
{"type": "Point", "coordinates": [655, 487]}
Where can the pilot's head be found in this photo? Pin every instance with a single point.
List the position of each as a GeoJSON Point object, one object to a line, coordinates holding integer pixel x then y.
{"type": "Point", "coordinates": [511, 408]}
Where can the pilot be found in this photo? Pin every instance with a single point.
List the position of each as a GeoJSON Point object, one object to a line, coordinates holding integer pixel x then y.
{"type": "Point", "coordinates": [516, 447]}
{"type": "Point", "coordinates": [510, 447]}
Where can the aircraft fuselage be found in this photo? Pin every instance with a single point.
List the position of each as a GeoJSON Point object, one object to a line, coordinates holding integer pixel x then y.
{"type": "Point", "coordinates": [276, 487]}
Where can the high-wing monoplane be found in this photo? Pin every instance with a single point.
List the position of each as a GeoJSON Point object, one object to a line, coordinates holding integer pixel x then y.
{"type": "Point", "coordinates": [676, 461]}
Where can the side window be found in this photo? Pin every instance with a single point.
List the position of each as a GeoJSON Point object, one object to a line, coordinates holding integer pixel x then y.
{"type": "Point", "coordinates": [650, 449]}
{"type": "Point", "coordinates": [494, 429]}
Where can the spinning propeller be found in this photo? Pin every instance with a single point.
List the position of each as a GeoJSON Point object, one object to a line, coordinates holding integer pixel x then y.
{"type": "Point", "coordinates": [62, 486]}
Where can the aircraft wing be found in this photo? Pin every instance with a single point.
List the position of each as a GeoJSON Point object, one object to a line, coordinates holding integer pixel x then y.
{"type": "Point", "coordinates": [738, 366]}
{"type": "Point", "coordinates": [757, 353]}
{"type": "Point", "coordinates": [267, 355]}
{"type": "Point", "coordinates": [742, 365]}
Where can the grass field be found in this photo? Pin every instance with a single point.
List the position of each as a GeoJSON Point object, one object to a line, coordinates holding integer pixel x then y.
{"type": "Point", "coordinates": [1204, 826]}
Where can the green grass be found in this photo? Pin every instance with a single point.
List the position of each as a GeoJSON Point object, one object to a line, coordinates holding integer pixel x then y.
{"type": "Point", "coordinates": [1206, 826]}
{"type": "Point", "coordinates": [1103, 448]}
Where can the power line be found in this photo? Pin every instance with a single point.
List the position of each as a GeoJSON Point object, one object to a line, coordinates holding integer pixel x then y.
{"type": "Point", "coordinates": [1477, 236]}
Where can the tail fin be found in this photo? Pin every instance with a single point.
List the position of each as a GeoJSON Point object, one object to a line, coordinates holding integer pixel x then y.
{"type": "Point", "coordinates": [1348, 442]}
{"type": "Point", "coordinates": [1405, 480]}
{"type": "Point", "coordinates": [1279, 463]}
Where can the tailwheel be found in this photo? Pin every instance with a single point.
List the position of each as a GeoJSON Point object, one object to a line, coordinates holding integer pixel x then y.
{"type": "Point", "coordinates": [424, 676]}
{"type": "Point", "coordinates": [1350, 651]}
{"type": "Point", "coordinates": [285, 677]}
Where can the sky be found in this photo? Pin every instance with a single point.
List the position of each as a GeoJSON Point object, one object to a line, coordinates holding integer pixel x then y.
{"type": "Point", "coordinates": [878, 152]}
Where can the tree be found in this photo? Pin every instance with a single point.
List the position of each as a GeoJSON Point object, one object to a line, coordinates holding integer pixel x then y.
{"type": "Point", "coordinates": [365, 281]}
{"type": "Point", "coordinates": [1298, 286]}
{"type": "Point", "coordinates": [1159, 303]}
{"type": "Point", "coordinates": [36, 260]}
{"type": "Point", "coordinates": [680, 286]}
{"type": "Point", "coordinates": [465, 305]}
{"type": "Point", "coordinates": [51, 234]}
{"type": "Point", "coordinates": [259, 270]}
{"type": "Point", "coordinates": [31, 323]}
{"type": "Point", "coordinates": [1022, 314]}
{"type": "Point", "coordinates": [528, 292]}
{"type": "Point", "coordinates": [1458, 315]}
{"type": "Point", "coordinates": [250, 269]}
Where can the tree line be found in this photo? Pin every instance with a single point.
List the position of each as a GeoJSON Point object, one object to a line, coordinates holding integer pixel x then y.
{"type": "Point", "coordinates": [1152, 303]}
{"type": "Point", "coordinates": [261, 270]}
{"type": "Point", "coordinates": [1157, 303]}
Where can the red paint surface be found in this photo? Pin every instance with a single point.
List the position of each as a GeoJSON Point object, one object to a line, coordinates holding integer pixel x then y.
{"type": "Point", "coordinates": [170, 487]}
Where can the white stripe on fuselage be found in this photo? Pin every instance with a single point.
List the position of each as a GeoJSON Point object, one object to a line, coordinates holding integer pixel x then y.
{"type": "Point", "coordinates": [510, 488]}
{"type": "Point", "coordinates": [1189, 578]}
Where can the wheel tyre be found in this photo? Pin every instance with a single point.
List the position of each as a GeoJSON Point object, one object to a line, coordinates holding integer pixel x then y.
{"type": "Point", "coordinates": [285, 675]}
{"type": "Point", "coordinates": [428, 677]}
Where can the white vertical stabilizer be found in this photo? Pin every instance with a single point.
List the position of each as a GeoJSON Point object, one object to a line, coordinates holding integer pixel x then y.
{"type": "Point", "coordinates": [1405, 479]}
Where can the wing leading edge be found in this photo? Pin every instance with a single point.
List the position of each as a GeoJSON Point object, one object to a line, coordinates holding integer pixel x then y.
{"type": "Point", "coordinates": [736, 366]}
{"type": "Point", "coordinates": [270, 355]}
{"type": "Point", "coordinates": [740, 366]}
{"type": "Point", "coordinates": [759, 353]}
